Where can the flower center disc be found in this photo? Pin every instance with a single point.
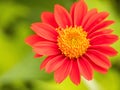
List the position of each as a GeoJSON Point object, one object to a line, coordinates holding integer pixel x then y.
{"type": "Point", "coordinates": [72, 41]}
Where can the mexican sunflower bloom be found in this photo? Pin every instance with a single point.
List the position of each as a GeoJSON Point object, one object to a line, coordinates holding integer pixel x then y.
{"type": "Point", "coordinates": [76, 43]}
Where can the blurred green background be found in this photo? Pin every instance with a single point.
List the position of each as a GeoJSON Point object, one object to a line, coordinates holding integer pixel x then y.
{"type": "Point", "coordinates": [20, 71]}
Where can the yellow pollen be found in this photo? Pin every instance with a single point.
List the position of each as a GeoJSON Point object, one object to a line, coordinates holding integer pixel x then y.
{"type": "Point", "coordinates": [72, 41]}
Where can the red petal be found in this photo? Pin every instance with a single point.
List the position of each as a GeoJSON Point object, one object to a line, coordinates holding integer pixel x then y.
{"type": "Point", "coordinates": [80, 12]}
{"type": "Point", "coordinates": [62, 16]}
{"type": "Point", "coordinates": [95, 19]}
{"type": "Point", "coordinates": [75, 73]}
{"type": "Point", "coordinates": [44, 63]}
{"type": "Point", "coordinates": [107, 50]}
{"type": "Point", "coordinates": [101, 25]}
{"type": "Point", "coordinates": [85, 68]}
{"type": "Point", "coordinates": [62, 72]}
{"type": "Point", "coordinates": [98, 58]}
{"type": "Point", "coordinates": [45, 30]}
{"type": "Point", "coordinates": [46, 48]}
{"type": "Point", "coordinates": [98, 68]}
{"type": "Point", "coordinates": [37, 56]}
{"type": "Point", "coordinates": [55, 63]}
{"type": "Point", "coordinates": [48, 17]}
{"type": "Point", "coordinates": [88, 16]}
{"type": "Point", "coordinates": [72, 10]}
{"type": "Point", "coordinates": [104, 39]}
{"type": "Point", "coordinates": [100, 32]}
{"type": "Point", "coordinates": [31, 40]}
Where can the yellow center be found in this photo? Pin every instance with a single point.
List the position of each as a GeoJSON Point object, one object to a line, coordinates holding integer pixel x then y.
{"type": "Point", "coordinates": [72, 41]}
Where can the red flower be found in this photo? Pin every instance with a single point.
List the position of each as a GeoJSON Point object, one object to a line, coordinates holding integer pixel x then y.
{"type": "Point", "coordinates": [75, 43]}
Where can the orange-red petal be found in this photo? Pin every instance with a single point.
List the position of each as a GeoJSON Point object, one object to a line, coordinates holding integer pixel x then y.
{"type": "Point", "coordinates": [72, 10]}
{"type": "Point", "coordinates": [98, 58]}
{"type": "Point", "coordinates": [48, 17]}
{"type": "Point", "coordinates": [99, 33]}
{"type": "Point", "coordinates": [62, 16]}
{"type": "Point", "coordinates": [75, 73]}
{"type": "Point", "coordinates": [102, 25]}
{"type": "Point", "coordinates": [62, 72]}
{"type": "Point", "coordinates": [95, 19]}
{"type": "Point", "coordinates": [80, 12]}
{"type": "Point", "coordinates": [107, 50]}
{"type": "Point", "coordinates": [54, 63]}
{"type": "Point", "coordinates": [46, 48]}
{"type": "Point", "coordinates": [37, 56]}
{"type": "Point", "coordinates": [45, 31]}
{"type": "Point", "coordinates": [44, 63]}
{"type": "Point", "coordinates": [85, 68]}
{"type": "Point", "coordinates": [88, 16]}
{"type": "Point", "coordinates": [31, 40]}
{"type": "Point", "coordinates": [104, 39]}
{"type": "Point", "coordinates": [98, 68]}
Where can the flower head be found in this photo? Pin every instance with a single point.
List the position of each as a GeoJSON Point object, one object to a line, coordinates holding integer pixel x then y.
{"type": "Point", "coordinates": [75, 43]}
